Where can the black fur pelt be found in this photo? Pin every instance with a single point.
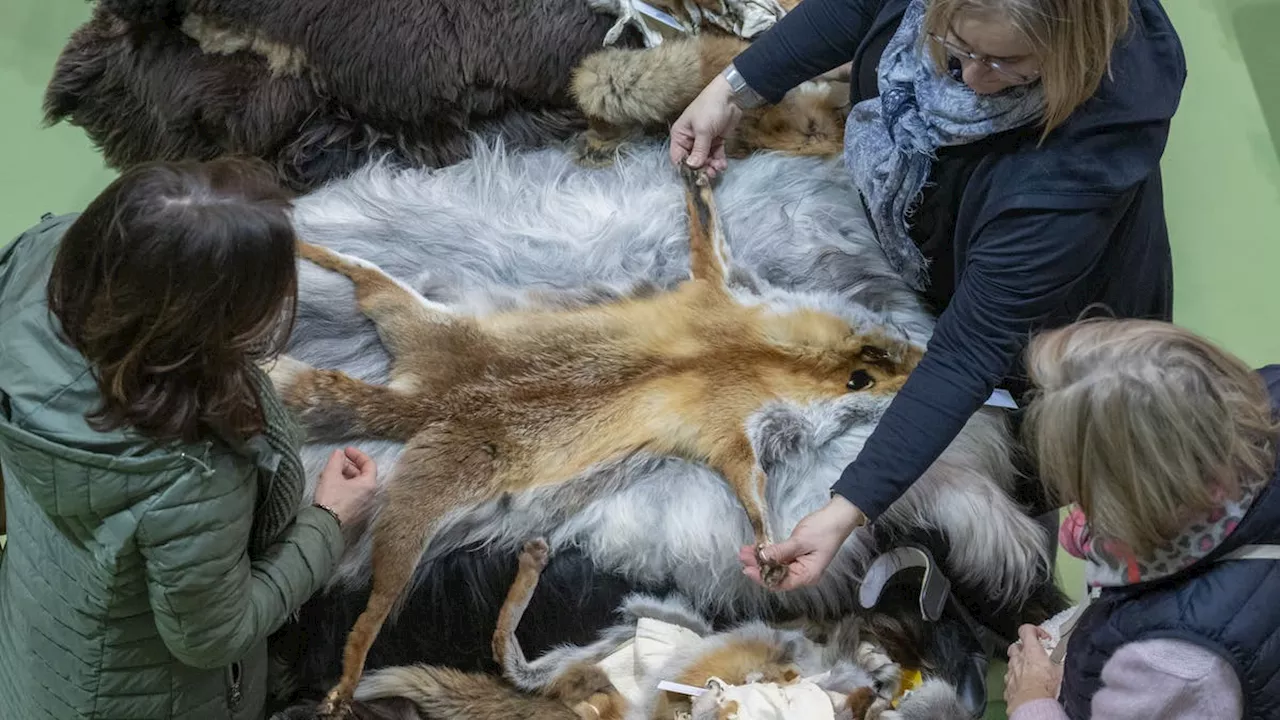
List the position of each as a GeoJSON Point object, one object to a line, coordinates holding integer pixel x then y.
{"type": "Point", "coordinates": [410, 81]}
{"type": "Point", "coordinates": [449, 618]}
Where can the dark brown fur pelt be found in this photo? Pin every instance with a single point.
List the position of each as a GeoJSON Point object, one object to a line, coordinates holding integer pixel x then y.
{"type": "Point", "coordinates": [626, 93]}
{"type": "Point", "coordinates": [318, 88]}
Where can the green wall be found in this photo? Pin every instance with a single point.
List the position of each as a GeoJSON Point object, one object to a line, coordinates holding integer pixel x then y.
{"type": "Point", "coordinates": [1222, 167]}
{"type": "Point", "coordinates": [45, 170]}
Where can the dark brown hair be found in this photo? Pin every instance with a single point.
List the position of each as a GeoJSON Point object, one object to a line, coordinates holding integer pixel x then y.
{"type": "Point", "coordinates": [171, 283]}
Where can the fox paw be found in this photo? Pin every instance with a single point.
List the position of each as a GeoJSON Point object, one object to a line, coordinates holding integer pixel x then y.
{"type": "Point", "coordinates": [284, 371]}
{"type": "Point", "coordinates": [772, 572]}
{"type": "Point", "coordinates": [886, 673]}
{"type": "Point", "coordinates": [535, 554]}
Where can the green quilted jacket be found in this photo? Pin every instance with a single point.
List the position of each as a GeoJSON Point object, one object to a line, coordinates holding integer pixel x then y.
{"type": "Point", "coordinates": [127, 591]}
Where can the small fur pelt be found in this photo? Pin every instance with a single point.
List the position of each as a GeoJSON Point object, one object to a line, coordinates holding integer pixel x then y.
{"type": "Point", "coordinates": [630, 93]}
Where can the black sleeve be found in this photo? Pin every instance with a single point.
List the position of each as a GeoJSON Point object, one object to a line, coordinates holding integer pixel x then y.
{"type": "Point", "coordinates": [817, 36]}
{"type": "Point", "coordinates": [1023, 266]}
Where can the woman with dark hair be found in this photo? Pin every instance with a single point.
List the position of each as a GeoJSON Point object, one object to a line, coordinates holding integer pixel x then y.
{"type": "Point", "coordinates": [152, 477]}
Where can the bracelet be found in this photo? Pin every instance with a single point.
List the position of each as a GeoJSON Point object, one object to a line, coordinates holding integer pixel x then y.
{"type": "Point", "coordinates": [329, 510]}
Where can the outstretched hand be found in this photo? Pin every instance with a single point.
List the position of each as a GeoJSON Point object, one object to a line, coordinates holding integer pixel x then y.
{"type": "Point", "coordinates": [811, 547]}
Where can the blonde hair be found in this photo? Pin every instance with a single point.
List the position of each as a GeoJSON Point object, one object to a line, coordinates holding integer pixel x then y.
{"type": "Point", "coordinates": [1140, 421]}
{"type": "Point", "coordinates": [1072, 39]}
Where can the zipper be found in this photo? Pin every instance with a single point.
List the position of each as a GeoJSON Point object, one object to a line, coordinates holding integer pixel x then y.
{"type": "Point", "coordinates": [235, 694]}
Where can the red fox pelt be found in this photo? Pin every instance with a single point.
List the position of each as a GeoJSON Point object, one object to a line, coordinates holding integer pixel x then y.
{"type": "Point", "coordinates": [517, 400]}
{"type": "Point", "coordinates": [627, 93]}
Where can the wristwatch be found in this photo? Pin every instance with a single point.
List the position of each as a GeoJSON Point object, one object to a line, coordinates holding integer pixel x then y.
{"type": "Point", "coordinates": [742, 94]}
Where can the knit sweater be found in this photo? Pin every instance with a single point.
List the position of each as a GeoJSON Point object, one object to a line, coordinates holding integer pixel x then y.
{"type": "Point", "coordinates": [1166, 679]}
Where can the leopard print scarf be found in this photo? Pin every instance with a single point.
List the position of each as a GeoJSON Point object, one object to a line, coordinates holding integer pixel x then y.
{"type": "Point", "coordinates": [1109, 563]}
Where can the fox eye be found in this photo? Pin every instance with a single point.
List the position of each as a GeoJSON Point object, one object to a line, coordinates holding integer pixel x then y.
{"type": "Point", "coordinates": [860, 380]}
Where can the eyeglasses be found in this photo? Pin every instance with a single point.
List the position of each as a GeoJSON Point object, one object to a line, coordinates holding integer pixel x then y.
{"type": "Point", "coordinates": [960, 53]}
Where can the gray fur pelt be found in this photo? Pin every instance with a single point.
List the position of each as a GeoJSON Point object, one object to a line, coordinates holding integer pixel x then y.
{"type": "Point", "coordinates": [492, 230]}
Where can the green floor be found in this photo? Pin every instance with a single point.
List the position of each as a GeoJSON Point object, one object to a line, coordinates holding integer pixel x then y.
{"type": "Point", "coordinates": [1222, 181]}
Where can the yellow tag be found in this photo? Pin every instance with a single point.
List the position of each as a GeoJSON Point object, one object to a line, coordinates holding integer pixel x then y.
{"type": "Point", "coordinates": [911, 679]}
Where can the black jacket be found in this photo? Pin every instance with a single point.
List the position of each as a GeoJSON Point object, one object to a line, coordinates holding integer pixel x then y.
{"type": "Point", "coordinates": [1021, 236]}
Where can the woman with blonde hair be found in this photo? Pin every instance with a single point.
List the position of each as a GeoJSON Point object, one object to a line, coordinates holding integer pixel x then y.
{"type": "Point", "coordinates": [1167, 446]}
{"type": "Point", "coordinates": [1008, 156]}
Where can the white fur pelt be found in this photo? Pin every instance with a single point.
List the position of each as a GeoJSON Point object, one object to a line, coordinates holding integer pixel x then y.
{"type": "Point", "coordinates": [481, 234]}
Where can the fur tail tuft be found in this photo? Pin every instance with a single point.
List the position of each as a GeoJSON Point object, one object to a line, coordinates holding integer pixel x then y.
{"type": "Point", "coordinates": [448, 693]}
{"type": "Point", "coordinates": [628, 87]}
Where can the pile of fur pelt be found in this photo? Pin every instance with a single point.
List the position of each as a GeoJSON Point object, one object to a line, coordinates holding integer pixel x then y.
{"type": "Point", "coordinates": [507, 229]}
{"type": "Point", "coordinates": [320, 87]}
{"type": "Point", "coordinates": [661, 660]}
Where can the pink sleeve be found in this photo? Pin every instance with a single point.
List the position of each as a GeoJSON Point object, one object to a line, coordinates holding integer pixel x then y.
{"type": "Point", "coordinates": [1040, 710]}
{"type": "Point", "coordinates": [1166, 679]}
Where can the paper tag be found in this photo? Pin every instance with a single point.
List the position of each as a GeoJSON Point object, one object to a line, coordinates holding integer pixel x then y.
{"type": "Point", "coordinates": [662, 17]}
{"type": "Point", "coordinates": [682, 689]}
{"type": "Point", "coordinates": [1001, 398]}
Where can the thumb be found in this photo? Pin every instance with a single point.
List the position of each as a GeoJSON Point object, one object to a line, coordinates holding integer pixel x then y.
{"type": "Point", "coordinates": [701, 147]}
{"type": "Point", "coordinates": [1030, 638]}
{"type": "Point", "coordinates": [784, 552]}
{"type": "Point", "coordinates": [336, 459]}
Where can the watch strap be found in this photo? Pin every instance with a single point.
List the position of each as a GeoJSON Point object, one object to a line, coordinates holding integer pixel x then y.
{"type": "Point", "coordinates": [744, 96]}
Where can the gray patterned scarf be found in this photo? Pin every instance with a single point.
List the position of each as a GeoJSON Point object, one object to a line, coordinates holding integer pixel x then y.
{"type": "Point", "coordinates": [891, 140]}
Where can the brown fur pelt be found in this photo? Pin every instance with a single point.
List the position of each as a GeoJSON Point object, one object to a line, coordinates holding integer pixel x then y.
{"type": "Point", "coordinates": [626, 93]}
{"type": "Point", "coordinates": [319, 88]}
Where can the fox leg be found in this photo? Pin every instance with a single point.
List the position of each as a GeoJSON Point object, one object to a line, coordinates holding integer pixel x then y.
{"type": "Point", "coordinates": [332, 405]}
{"type": "Point", "coordinates": [735, 459]}
{"type": "Point", "coordinates": [407, 323]}
{"type": "Point", "coordinates": [506, 648]}
{"type": "Point", "coordinates": [582, 686]}
{"type": "Point", "coordinates": [443, 469]}
{"type": "Point", "coordinates": [709, 258]}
